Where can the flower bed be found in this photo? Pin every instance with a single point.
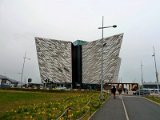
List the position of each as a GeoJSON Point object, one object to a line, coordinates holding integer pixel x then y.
{"type": "Point", "coordinates": [54, 105]}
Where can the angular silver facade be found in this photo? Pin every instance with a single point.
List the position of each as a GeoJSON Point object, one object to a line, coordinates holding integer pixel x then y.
{"type": "Point", "coordinates": [116, 73]}
{"type": "Point", "coordinates": [55, 62]}
{"type": "Point", "coordinates": [92, 60]}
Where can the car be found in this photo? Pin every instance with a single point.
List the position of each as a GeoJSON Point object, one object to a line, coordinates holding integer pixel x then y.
{"type": "Point", "coordinates": [61, 88]}
{"type": "Point", "coordinates": [142, 92]}
{"type": "Point", "coordinates": [5, 85]}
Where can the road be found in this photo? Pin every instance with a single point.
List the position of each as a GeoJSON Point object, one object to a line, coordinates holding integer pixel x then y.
{"type": "Point", "coordinates": [128, 108]}
{"type": "Point", "coordinates": [139, 108]}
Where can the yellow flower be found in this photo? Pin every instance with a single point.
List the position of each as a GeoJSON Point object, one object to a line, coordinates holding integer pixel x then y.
{"type": "Point", "coordinates": [43, 112]}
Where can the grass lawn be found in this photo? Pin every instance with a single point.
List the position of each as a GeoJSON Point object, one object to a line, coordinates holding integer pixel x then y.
{"type": "Point", "coordinates": [46, 106]}
{"type": "Point", "coordinates": [154, 98]}
{"type": "Point", "coordinates": [11, 99]}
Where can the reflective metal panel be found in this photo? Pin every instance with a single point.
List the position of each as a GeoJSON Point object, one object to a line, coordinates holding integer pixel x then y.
{"type": "Point", "coordinates": [91, 59]}
{"type": "Point", "coordinates": [54, 57]}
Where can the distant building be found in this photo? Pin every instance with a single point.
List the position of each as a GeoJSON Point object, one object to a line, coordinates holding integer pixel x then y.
{"type": "Point", "coordinates": [7, 82]}
{"type": "Point", "coordinates": [78, 64]}
{"type": "Point", "coordinates": [150, 85]}
{"type": "Point", "coordinates": [35, 85]}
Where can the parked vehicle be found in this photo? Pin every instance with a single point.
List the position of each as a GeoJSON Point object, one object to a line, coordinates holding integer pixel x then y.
{"type": "Point", "coordinates": [142, 92]}
{"type": "Point", "coordinates": [5, 85]}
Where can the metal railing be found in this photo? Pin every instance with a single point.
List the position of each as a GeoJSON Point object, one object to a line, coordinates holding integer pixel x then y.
{"type": "Point", "coordinates": [65, 114]}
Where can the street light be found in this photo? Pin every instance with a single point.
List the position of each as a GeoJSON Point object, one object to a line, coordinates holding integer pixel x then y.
{"type": "Point", "coordinates": [142, 74]}
{"type": "Point", "coordinates": [23, 67]}
{"type": "Point", "coordinates": [114, 26]}
{"type": "Point", "coordinates": [154, 56]}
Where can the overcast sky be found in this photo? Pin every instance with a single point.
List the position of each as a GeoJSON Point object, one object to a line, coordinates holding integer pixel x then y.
{"type": "Point", "coordinates": [22, 20]}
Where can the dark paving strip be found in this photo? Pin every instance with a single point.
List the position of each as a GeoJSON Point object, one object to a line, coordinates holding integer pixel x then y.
{"type": "Point", "coordinates": [111, 110]}
{"type": "Point", "coordinates": [139, 108]}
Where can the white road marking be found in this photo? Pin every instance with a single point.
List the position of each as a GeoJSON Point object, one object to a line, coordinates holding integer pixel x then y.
{"type": "Point", "coordinates": [127, 118]}
{"type": "Point", "coordinates": [131, 96]}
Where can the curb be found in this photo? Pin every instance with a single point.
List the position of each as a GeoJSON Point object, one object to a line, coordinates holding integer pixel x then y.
{"type": "Point", "coordinates": [98, 109]}
{"type": "Point", "coordinates": [93, 114]}
{"type": "Point", "coordinates": [152, 101]}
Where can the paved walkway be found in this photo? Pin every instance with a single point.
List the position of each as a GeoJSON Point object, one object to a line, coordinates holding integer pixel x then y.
{"type": "Point", "coordinates": [138, 108]}
{"type": "Point", "coordinates": [128, 108]}
{"type": "Point", "coordinates": [111, 110]}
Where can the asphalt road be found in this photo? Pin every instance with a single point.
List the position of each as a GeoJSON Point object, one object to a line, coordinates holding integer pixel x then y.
{"type": "Point", "coordinates": [139, 108]}
{"type": "Point", "coordinates": [111, 110]}
{"type": "Point", "coordinates": [128, 108]}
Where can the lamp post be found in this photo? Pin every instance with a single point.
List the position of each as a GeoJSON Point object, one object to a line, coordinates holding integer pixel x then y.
{"type": "Point", "coordinates": [23, 67]}
{"type": "Point", "coordinates": [103, 44]}
{"type": "Point", "coordinates": [154, 56]}
{"type": "Point", "coordinates": [142, 74]}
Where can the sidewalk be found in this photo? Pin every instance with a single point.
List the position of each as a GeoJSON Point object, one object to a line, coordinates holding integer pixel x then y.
{"type": "Point", "coordinates": [111, 110]}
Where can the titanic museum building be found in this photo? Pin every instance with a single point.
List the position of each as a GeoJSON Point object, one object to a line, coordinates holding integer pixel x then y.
{"type": "Point", "coordinates": [79, 64]}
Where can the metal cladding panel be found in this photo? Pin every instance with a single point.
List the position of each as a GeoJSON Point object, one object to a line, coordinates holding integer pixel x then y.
{"type": "Point", "coordinates": [54, 57]}
{"type": "Point", "coordinates": [116, 73]}
{"type": "Point", "coordinates": [92, 59]}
